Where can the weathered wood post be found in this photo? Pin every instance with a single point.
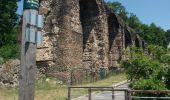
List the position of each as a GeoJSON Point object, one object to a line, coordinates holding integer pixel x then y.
{"type": "Point", "coordinates": [130, 95]}
{"type": "Point", "coordinates": [69, 93]}
{"type": "Point", "coordinates": [30, 37]}
{"type": "Point", "coordinates": [126, 95]}
{"type": "Point", "coordinates": [89, 90]}
{"type": "Point", "coordinates": [113, 96]}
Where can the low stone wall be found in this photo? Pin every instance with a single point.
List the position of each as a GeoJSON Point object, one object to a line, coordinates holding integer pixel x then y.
{"type": "Point", "coordinates": [9, 73]}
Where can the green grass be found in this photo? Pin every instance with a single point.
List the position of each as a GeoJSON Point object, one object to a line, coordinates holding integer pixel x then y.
{"type": "Point", "coordinates": [53, 91]}
{"type": "Point", "coordinates": [7, 93]}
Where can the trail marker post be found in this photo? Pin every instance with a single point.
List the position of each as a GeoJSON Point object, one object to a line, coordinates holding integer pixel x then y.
{"type": "Point", "coordinates": [31, 36]}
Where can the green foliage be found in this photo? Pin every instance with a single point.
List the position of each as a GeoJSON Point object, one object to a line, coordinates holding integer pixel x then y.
{"type": "Point", "coordinates": [168, 35]}
{"type": "Point", "coordinates": [116, 7]}
{"type": "Point", "coordinates": [153, 34]}
{"type": "Point", "coordinates": [8, 29]}
{"type": "Point", "coordinates": [167, 77]}
{"type": "Point", "coordinates": [1, 60]}
{"type": "Point", "coordinates": [9, 51]}
{"type": "Point", "coordinates": [141, 66]}
{"type": "Point", "coordinates": [165, 59]}
{"type": "Point", "coordinates": [8, 20]}
{"type": "Point", "coordinates": [156, 51]}
{"type": "Point", "coordinates": [149, 84]}
{"type": "Point", "coordinates": [148, 73]}
{"type": "Point", "coordinates": [119, 9]}
{"type": "Point", "coordinates": [134, 22]}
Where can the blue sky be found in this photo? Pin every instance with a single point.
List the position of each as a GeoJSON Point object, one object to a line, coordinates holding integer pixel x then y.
{"type": "Point", "coordinates": [148, 11]}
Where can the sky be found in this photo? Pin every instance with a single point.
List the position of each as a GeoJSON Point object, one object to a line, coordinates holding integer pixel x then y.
{"type": "Point", "coordinates": [147, 11]}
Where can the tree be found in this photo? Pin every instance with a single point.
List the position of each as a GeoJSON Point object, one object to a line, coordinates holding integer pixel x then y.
{"type": "Point", "coordinates": [167, 34]}
{"type": "Point", "coordinates": [134, 22]}
{"type": "Point", "coordinates": [116, 7]}
{"type": "Point", "coordinates": [8, 20]}
{"type": "Point", "coordinates": [119, 9]}
{"type": "Point", "coordinates": [153, 34]}
{"type": "Point", "coordinates": [157, 52]}
{"type": "Point", "coordinates": [8, 29]}
{"type": "Point", "coordinates": [146, 73]}
{"type": "Point", "coordinates": [141, 66]}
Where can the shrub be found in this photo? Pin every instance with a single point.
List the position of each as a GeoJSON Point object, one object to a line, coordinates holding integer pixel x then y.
{"type": "Point", "coordinates": [1, 60]}
{"type": "Point", "coordinates": [147, 73]}
{"type": "Point", "coordinates": [167, 78]}
{"type": "Point", "coordinates": [149, 84]}
{"type": "Point", "coordinates": [156, 51]}
{"type": "Point", "coordinates": [9, 51]}
{"type": "Point", "coordinates": [142, 66]}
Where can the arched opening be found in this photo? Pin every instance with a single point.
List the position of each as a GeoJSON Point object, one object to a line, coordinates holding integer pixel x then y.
{"type": "Point", "coordinates": [143, 44]}
{"type": "Point", "coordinates": [113, 27]}
{"type": "Point", "coordinates": [137, 44]}
{"type": "Point", "coordinates": [128, 40]}
{"type": "Point", "coordinates": [88, 10]}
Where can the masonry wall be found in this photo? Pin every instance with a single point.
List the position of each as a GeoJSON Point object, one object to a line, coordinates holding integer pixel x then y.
{"type": "Point", "coordinates": [95, 33]}
{"type": "Point", "coordinates": [115, 41]}
{"type": "Point", "coordinates": [81, 34]}
{"type": "Point", "coordinates": [62, 47]}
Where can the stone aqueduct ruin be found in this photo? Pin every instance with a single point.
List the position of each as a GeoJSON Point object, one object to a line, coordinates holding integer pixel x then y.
{"type": "Point", "coordinates": [82, 34]}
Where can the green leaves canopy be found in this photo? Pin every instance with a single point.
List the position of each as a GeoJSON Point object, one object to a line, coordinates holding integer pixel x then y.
{"type": "Point", "coordinates": [8, 29]}
{"type": "Point", "coordinates": [8, 20]}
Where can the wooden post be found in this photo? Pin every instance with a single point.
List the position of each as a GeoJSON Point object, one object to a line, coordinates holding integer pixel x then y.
{"type": "Point", "coordinates": [69, 93]}
{"type": "Point", "coordinates": [129, 94]}
{"type": "Point", "coordinates": [28, 50]}
{"type": "Point", "coordinates": [126, 95]}
{"type": "Point", "coordinates": [71, 77]}
{"type": "Point", "coordinates": [113, 97]}
{"type": "Point", "coordinates": [28, 65]}
{"type": "Point", "coordinates": [90, 94]}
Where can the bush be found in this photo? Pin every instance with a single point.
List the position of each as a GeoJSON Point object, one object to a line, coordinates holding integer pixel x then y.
{"type": "Point", "coordinates": [165, 59]}
{"type": "Point", "coordinates": [9, 51]}
{"type": "Point", "coordinates": [1, 60]}
{"type": "Point", "coordinates": [149, 84]}
{"type": "Point", "coordinates": [156, 51]}
{"type": "Point", "coordinates": [142, 66]}
{"type": "Point", "coordinates": [167, 78]}
{"type": "Point", "coordinates": [147, 73]}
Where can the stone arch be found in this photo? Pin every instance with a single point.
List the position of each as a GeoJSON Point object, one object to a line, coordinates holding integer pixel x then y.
{"type": "Point", "coordinates": [128, 40]}
{"type": "Point", "coordinates": [88, 10]}
{"type": "Point", "coordinates": [113, 27]}
{"type": "Point", "coordinates": [115, 40]}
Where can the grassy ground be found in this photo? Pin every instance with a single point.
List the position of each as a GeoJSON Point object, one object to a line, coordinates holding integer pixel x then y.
{"type": "Point", "coordinates": [50, 90]}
